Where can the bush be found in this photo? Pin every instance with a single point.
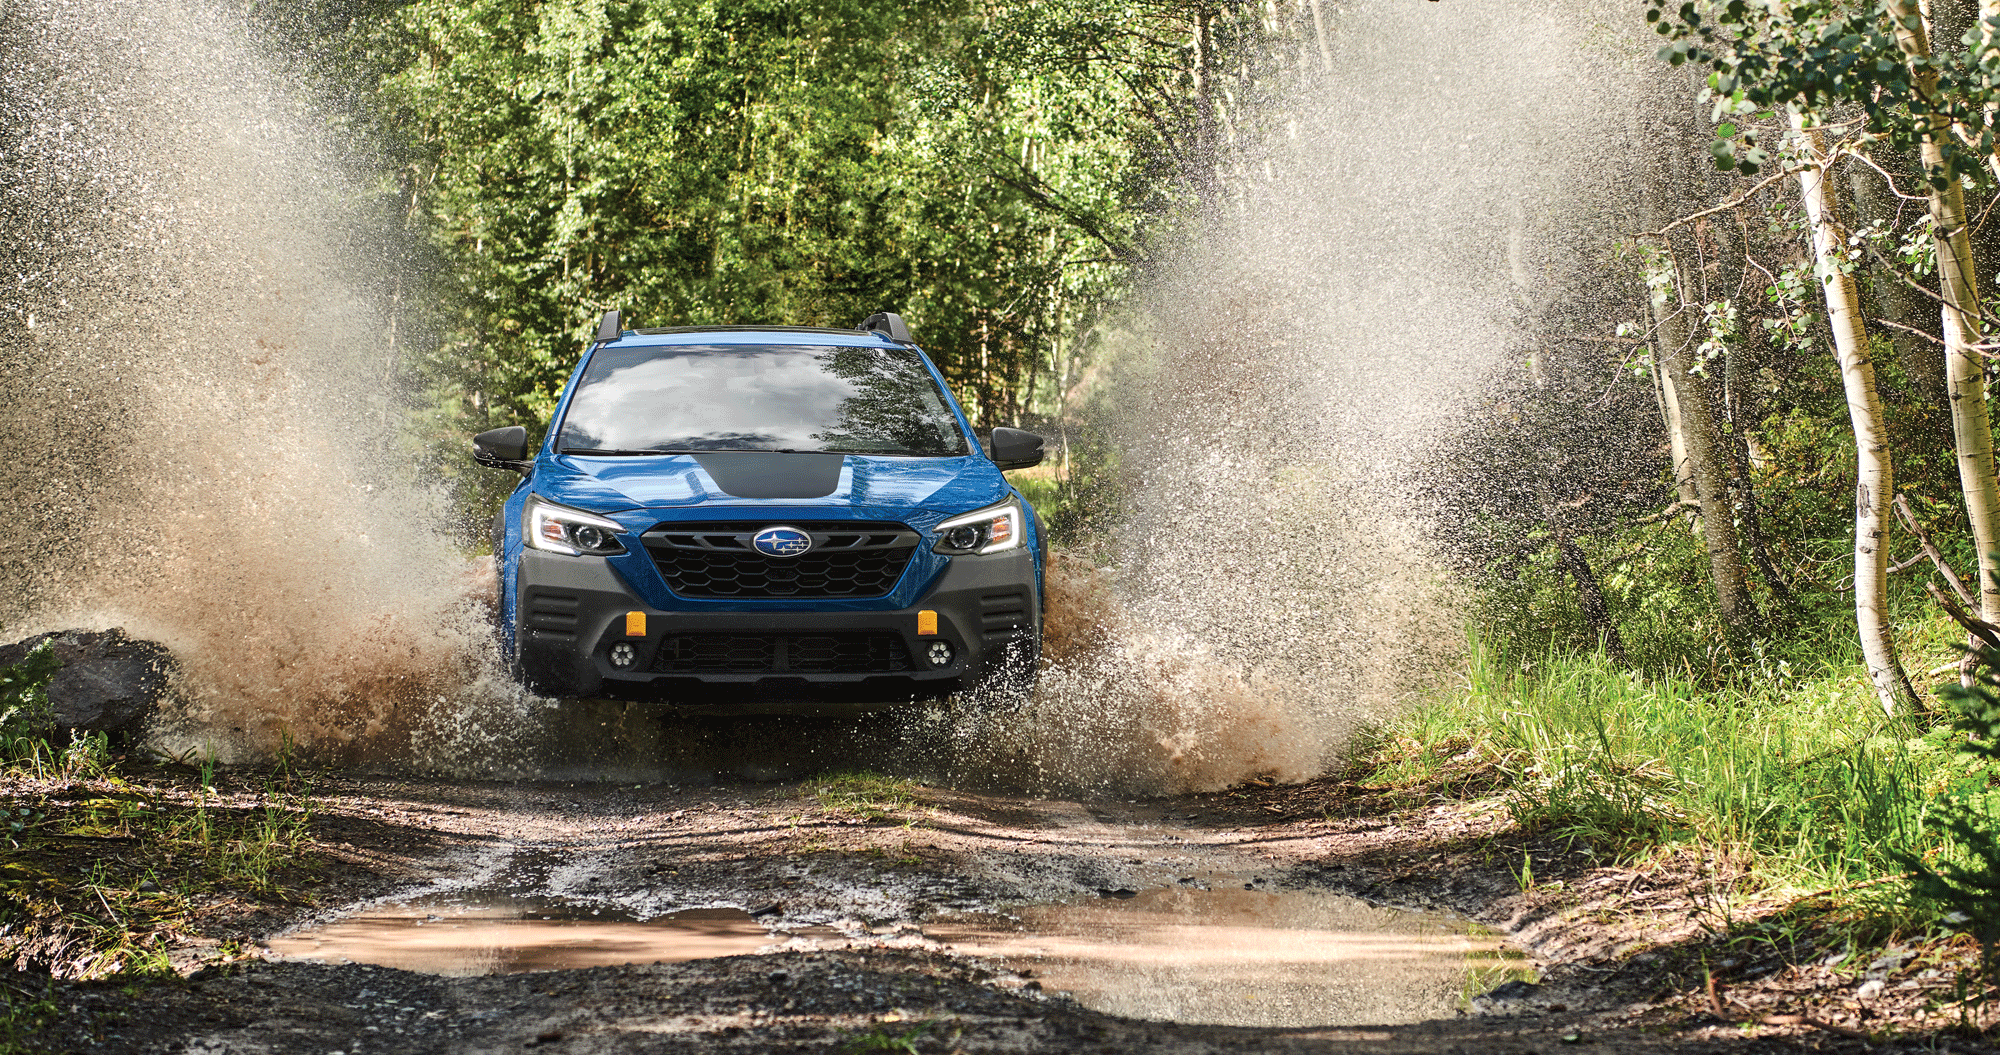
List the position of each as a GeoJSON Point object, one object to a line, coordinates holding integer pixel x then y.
{"type": "Point", "coordinates": [26, 721]}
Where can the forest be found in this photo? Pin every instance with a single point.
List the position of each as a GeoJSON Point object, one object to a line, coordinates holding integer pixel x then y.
{"type": "Point", "coordinates": [1709, 531]}
{"type": "Point", "coordinates": [1740, 467]}
{"type": "Point", "coordinates": [1735, 493]}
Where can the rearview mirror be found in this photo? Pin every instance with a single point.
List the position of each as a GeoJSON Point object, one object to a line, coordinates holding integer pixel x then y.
{"type": "Point", "coordinates": [1015, 449]}
{"type": "Point", "coordinates": [502, 448]}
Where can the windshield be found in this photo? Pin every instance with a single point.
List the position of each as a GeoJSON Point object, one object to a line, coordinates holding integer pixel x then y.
{"type": "Point", "coordinates": [736, 397]}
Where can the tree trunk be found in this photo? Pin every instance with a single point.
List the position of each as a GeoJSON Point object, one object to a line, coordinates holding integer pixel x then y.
{"type": "Point", "coordinates": [1874, 478]}
{"type": "Point", "coordinates": [1201, 72]}
{"type": "Point", "coordinates": [1959, 286]}
{"type": "Point", "coordinates": [1319, 34]}
{"type": "Point", "coordinates": [1703, 447]}
{"type": "Point", "coordinates": [1670, 407]}
{"type": "Point", "coordinates": [1590, 596]}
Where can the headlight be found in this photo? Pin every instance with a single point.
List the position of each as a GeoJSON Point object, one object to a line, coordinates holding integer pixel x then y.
{"type": "Point", "coordinates": [988, 530]}
{"type": "Point", "coordinates": [560, 529]}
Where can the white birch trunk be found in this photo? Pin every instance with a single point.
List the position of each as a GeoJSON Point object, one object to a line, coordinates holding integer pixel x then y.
{"type": "Point", "coordinates": [1958, 285]}
{"type": "Point", "coordinates": [1670, 411]}
{"type": "Point", "coordinates": [1874, 481]}
{"type": "Point", "coordinates": [1701, 441]}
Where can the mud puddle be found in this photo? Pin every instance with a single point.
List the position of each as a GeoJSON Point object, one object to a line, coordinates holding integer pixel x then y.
{"type": "Point", "coordinates": [1190, 953]}
{"type": "Point", "coordinates": [1240, 957]}
{"type": "Point", "coordinates": [515, 935]}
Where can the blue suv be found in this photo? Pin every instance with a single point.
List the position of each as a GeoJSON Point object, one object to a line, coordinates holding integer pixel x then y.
{"type": "Point", "coordinates": [742, 519]}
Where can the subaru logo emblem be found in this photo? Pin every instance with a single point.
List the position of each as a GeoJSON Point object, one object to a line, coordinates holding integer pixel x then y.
{"type": "Point", "coordinates": [781, 542]}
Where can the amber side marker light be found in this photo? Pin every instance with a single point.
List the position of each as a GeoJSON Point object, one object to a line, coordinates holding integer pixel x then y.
{"type": "Point", "coordinates": [635, 624]}
{"type": "Point", "coordinates": [926, 623]}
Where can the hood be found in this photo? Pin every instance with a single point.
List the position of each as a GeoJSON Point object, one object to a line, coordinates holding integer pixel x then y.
{"type": "Point", "coordinates": [787, 481]}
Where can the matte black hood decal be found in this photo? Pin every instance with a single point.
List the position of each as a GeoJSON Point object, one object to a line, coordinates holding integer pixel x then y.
{"type": "Point", "coordinates": [763, 474]}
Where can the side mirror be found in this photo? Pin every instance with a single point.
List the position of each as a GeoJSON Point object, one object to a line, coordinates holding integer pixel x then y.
{"type": "Point", "coordinates": [502, 448]}
{"type": "Point", "coordinates": [1015, 449]}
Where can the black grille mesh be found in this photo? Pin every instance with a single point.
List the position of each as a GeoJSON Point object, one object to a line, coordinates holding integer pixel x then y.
{"type": "Point", "coordinates": [716, 560]}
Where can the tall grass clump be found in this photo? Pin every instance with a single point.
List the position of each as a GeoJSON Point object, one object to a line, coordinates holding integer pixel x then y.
{"type": "Point", "coordinates": [1793, 776]}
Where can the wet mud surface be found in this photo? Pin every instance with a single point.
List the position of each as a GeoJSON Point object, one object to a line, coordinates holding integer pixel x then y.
{"type": "Point", "coordinates": [955, 921]}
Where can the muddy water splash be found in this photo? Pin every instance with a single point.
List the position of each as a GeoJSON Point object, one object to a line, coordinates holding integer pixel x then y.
{"type": "Point", "coordinates": [1275, 582]}
{"type": "Point", "coordinates": [203, 440]}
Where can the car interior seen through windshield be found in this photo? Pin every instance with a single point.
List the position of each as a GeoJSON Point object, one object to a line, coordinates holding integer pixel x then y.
{"type": "Point", "coordinates": [731, 397]}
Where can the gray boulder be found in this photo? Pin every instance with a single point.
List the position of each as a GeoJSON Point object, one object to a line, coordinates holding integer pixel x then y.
{"type": "Point", "coordinates": [108, 682]}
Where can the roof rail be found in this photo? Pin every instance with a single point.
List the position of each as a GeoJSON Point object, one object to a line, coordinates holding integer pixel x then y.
{"type": "Point", "coordinates": [888, 324]}
{"type": "Point", "coordinates": [609, 328]}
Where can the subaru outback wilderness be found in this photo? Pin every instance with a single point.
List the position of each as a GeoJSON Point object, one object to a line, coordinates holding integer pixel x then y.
{"type": "Point", "coordinates": [756, 519]}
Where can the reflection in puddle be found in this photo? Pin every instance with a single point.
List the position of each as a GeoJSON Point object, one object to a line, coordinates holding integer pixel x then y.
{"type": "Point", "coordinates": [507, 936]}
{"type": "Point", "coordinates": [1235, 957]}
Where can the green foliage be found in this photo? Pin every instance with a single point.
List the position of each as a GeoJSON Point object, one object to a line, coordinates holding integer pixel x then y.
{"type": "Point", "coordinates": [1821, 55]}
{"type": "Point", "coordinates": [1963, 874]}
{"type": "Point", "coordinates": [26, 722]}
{"type": "Point", "coordinates": [883, 1039]}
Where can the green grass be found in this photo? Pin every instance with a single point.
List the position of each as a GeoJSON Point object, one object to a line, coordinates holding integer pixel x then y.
{"type": "Point", "coordinates": [870, 796]}
{"type": "Point", "coordinates": [1792, 776]}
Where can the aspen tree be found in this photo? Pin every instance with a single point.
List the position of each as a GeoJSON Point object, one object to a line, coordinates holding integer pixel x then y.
{"type": "Point", "coordinates": [1700, 443]}
{"type": "Point", "coordinates": [1958, 286]}
{"type": "Point", "coordinates": [1874, 482]}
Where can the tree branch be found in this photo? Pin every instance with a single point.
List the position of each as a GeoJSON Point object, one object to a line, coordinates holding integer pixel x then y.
{"type": "Point", "coordinates": [1909, 329]}
{"type": "Point", "coordinates": [1739, 201]}
{"type": "Point", "coordinates": [1979, 628]}
{"type": "Point", "coordinates": [1909, 519]}
{"type": "Point", "coordinates": [1048, 201]}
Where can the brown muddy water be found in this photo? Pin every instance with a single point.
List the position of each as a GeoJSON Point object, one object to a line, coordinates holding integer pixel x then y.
{"type": "Point", "coordinates": [1239, 957]}
{"type": "Point", "coordinates": [515, 935]}
{"type": "Point", "coordinates": [1189, 953]}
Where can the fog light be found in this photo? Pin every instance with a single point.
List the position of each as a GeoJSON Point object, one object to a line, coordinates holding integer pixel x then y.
{"type": "Point", "coordinates": [940, 653]}
{"type": "Point", "coordinates": [622, 655]}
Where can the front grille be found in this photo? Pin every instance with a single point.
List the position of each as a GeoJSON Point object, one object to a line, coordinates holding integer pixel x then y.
{"type": "Point", "coordinates": [849, 653]}
{"type": "Point", "coordinates": [715, 560]}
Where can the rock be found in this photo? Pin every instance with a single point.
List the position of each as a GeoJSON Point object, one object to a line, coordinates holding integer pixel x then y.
{"type": "Point", "coordinates": [108, 682]}
{"type": "Point", "coordinates": [1515, 990]}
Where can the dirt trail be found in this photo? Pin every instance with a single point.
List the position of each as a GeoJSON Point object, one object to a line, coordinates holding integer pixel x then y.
{"type": "Point", "coordinates": [845, 892]}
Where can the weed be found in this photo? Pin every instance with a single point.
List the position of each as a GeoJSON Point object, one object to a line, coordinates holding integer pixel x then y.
{"type": "Point", "coordinates": [870, 796]}
{"type": "Point", "coordinates": [880, 1039]}
{"type": "Point", "coordinates": [120, 878]}
{"type": "Point", "coordinates": [1487, 971]}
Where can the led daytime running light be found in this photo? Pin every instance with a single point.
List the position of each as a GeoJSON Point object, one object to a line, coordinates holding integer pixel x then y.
{"type": "Point", "coordinates": [992, 530]}
{"type": "Point", "coordinates": [572, 532]}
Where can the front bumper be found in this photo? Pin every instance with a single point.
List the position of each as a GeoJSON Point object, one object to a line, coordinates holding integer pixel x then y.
{"type": "Point", "coordinates": [574, 614]}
